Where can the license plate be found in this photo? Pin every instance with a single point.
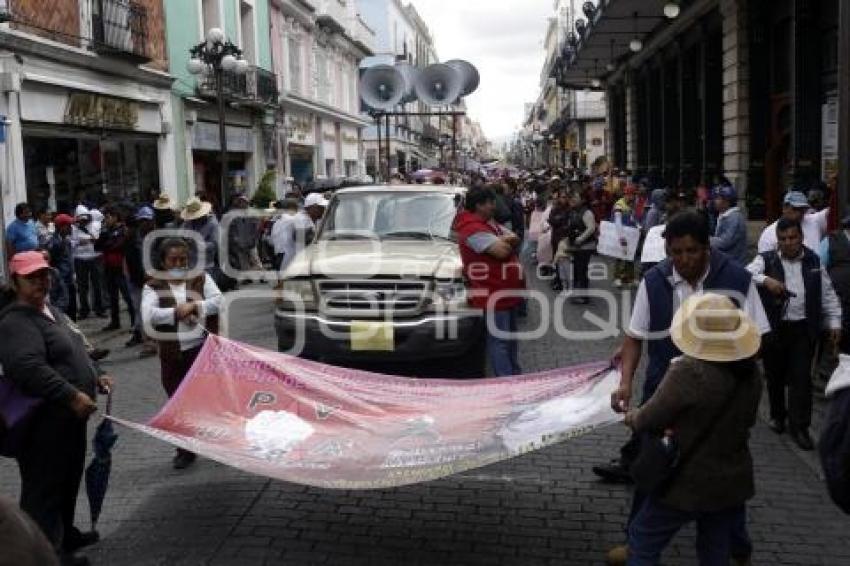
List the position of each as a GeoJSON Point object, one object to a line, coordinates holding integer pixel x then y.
{"type": "Point", "coordinates": [369, 336]}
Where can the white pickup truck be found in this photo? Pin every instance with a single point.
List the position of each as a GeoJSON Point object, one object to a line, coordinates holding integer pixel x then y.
{"type": "Point", "coordinates": [382, 282]}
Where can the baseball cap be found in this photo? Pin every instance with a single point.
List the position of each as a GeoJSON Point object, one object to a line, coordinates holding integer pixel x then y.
{"type": "Point", "coordinates": [727, 192]}
{"type": "Point", "coordinates": [26, 263]}
{"type": "Point", "coordinates": [144, 213]}
{"type": "Point", "coordinates": [796, 199]}
{"type": "Point", "coordinates": [315, 199]}
{"type": "Point", "coordinates": [63, 220]}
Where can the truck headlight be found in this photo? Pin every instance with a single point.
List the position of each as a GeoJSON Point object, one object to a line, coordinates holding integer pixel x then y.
{"type": "Point", "coordinates": [450, 293]}
{"type": "Point", "coordinates": [295, 289]}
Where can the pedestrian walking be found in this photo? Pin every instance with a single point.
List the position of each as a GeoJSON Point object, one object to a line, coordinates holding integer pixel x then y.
{"type": "Point", "coordinates": [111, 242]}
{"type": "Point", "coordinates": [60, 249]}
{"type": "Point", "coordinates": [178, 311]}
{"type": "Point", "coordinates": [730, 235]}
{"type": "Point", "coordinates": [493, 270]}
{"type": "Point", "coordinates": [47, 359]}
{"type": "Point", "coordinates": [691, 268]}
{"type": "Point", "coordinates": [280, 231]}
{"type": "Point", "coordinates": [21, 233]}
{"type": "Point", "coordinates": [242, 238]}
{"type": "Point", "coordinates": [795, 206]}
{"type": "Point", "coordinates": [581, 243]}
{"type": "Point", "coordinates": [704, 406]}
{"type": "Point", "coordinates": [87, 264]}
{"type": "Point", "coordinates": [134, 260]}
{"type": "Point", "coordinates": [559, 220]}
{"type": "Point", "coordinates": [800, 302]}
{"type": "Point", "coordinates": [296, 232]}
{"type": "Point", "coordinates": [624, 215]}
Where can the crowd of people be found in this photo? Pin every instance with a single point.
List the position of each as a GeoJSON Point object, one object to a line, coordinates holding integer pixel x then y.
{"type": "Point", "coordinates": [705, 307]}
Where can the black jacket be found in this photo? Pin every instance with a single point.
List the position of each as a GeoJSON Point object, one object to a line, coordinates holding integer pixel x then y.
{"type": "Point", "coordinates": [44, 358]}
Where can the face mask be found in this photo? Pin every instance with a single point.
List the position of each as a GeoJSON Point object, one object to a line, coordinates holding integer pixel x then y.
{"type": "Point", "coordinates": [178, 273]}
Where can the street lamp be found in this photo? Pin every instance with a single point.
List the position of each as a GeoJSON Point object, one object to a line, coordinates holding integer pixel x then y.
{"type": "Point", "coordinates": [672, 10]}
{"type": "Point", "coordinates": [219, 56]}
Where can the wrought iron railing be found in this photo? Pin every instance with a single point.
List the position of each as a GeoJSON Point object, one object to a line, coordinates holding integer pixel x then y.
{"type": "Point", "coordinates": [256, 86]}
{"type": "Point", "coordinates": [120, 27]}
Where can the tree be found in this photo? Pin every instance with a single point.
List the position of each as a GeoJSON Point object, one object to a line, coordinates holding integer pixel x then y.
{"type": "Point", "coordinates": [265, 193]}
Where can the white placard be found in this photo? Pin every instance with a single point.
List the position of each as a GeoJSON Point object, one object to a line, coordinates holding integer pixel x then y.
{"type": "Point", "coordinates": [654, 249]}
{"type": "Point", "coordinates": [609, 241]}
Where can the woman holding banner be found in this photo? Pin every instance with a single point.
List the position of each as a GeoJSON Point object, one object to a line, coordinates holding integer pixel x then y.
{"type": "Point", "coordinates": [178, 310]}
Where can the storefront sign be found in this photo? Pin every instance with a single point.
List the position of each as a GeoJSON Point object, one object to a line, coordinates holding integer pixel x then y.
{"type": "Point", "coordinates": [300, 128]}
{"type": "Point", "coordinates": [205, 137]}
{"type": "Point", "coordinates": [313, 424]}
{"type": "Point", "coordinates": [97, 111]}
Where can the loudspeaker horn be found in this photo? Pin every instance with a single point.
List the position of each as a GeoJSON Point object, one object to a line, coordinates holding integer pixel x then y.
{"type": "Point", "coordinates": [382, 87]}
{"type": "Point", "coordinates": [409, 72]}
{"type": "Point", "coordinates": [439, 85]}
{"type": "Point", "coordinates": [469, 75]}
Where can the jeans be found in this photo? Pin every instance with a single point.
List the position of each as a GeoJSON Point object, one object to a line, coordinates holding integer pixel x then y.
{"type": "Point", "coordinates": [136, 297]}
{"type": "Point", "coordinates": [117, 283]}
{"type": "Point", "coordinates": [581, 265]}
{"type": "Point", "coordinates": [656, 524]}
{"type": "Point", "coordinates": [89, 276]}
{"type": "Point", "coordinates": [503, 353]}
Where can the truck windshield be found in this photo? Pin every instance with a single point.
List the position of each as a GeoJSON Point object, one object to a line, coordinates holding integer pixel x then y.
{"type": "Point", "coordinates": [388, 215]}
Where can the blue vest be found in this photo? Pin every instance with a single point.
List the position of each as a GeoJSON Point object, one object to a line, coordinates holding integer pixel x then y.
{"type": "Point", "coordinates": [723, 275]}
{"type": "Point", "coordinates": [811, 282]}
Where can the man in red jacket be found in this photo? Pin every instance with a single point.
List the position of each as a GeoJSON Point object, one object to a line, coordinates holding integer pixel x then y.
{"type": "Point", "coordinates": [494, 274]}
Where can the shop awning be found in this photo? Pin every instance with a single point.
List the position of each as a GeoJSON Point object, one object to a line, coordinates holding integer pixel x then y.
{"type": "Point", "coordinates": [606, 40]}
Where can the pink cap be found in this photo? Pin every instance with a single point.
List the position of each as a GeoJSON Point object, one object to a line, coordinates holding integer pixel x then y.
{"type": "Point", "coordinates": [26, 263]}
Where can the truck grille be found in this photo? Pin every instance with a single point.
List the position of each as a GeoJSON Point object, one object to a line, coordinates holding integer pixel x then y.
{"type": "Point", "coordinates": [372, 298]}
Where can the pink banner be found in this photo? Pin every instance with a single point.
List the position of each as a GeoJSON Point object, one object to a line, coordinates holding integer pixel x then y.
{"type": "Point", "coordinates": [309, 423]}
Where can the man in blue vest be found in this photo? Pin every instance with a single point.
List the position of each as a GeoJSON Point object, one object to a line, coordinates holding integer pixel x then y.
{"type": "Point", "coordinates": [800, 302]}
{"type": "Point", "coordinates": [691, 268]}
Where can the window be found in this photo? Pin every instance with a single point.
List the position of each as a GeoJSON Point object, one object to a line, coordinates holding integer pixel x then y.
{"type": "Point", "coordinates": [246, 27]}
{"type": "Point", "coordinates": [322, 77]}
{"type": "Point", "coordinates": [295, 72]}
{"type": "Point", "coordinates": [210, 15]}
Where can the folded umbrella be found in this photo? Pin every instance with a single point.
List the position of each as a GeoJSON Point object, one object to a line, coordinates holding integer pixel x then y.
{"type": "Point", "coordinates": [97, 473]}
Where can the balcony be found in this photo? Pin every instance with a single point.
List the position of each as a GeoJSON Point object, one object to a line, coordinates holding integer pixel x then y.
{"type": "Point", "coordinates": [587, 110]}
{"type": "Point", "coordinates": [257, 87]}
{"type": "Point", "coordinates": [120, 29]}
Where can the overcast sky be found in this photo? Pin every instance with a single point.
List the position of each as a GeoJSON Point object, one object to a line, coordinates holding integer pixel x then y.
{"type": "Point", "coordinates": [504, 39]}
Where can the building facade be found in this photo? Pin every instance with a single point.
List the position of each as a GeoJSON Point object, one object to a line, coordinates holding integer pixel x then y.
{"type": "Point", "coordinates": [251, 100]}
{"type": "Point", "coordinates": [85, 97]}
{"type": "Point", "coordinates": [750, 90]}
{"type": "Point", "coordinates": [415, 141]}
{"type": "Point", "coordinates": [317, 48]}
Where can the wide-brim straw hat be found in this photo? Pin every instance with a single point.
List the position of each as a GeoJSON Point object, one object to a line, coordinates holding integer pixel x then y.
{"type": "Point", "coordinates": [163, 202]}
{"type": "Point", "coordinates": [709, 327]}
{"type": "Point", "coordinates": [195, 208]}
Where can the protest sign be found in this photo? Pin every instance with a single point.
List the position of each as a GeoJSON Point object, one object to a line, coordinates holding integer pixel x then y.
{"type": "Point", "coordinates": [319, 425]}
{"type": "Point", "coordinates": [609, 241]}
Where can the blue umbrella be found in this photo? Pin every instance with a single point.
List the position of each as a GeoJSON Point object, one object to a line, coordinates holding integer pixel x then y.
{"type": "Point", "coordinates": [97, 473]}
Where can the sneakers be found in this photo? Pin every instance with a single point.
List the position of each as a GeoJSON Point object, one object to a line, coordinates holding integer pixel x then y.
{"type": "Point", "coordinates": [134, 341]}
{"type": "Point", "coordinates": [183, 459]}
{"type": "Point", "coordinates": [76, 539]}
{"type": "Point", "coordinates": [617, 556]}
{"type": "Point", "coordinates": [98, 354]}
{"type": "Point", "coordinates": [613, 472]}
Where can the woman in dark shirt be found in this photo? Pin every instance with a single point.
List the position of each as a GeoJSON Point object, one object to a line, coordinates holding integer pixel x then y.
{"type": "Point", "coordinates": [45, 358]}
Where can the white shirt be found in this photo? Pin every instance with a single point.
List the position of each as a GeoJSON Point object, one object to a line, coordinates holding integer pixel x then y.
{"type": "Point", "coordinates": [796, 310]}
{"type": "Point", "coordinates": [279, 230]}
{"type": "Point", "coordinates": [83, 242]}
{"type": "Point", "coordinates": [682, 290]}
{"type": "Point", "coordinates": [189, 333]}
{"type": "Point", "coordinates": [814, 229]}
{"type": "Point", "coordinates": [293, 236]}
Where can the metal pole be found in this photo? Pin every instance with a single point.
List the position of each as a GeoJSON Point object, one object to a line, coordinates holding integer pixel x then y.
{"type": "Point", "coordinates": [454, 144]}
{"type": "Point", "coordinates": [379, 157]}
{"type": "Point", "coordinates": [389, 148]}
{"type": "Point", "coordinates": [222, 135]}
{"type": "Point", "coordinates": [843, 187]}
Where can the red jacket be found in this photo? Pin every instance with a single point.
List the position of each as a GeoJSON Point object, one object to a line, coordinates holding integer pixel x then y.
{"type": "Point", "coordinates": [485, 274]}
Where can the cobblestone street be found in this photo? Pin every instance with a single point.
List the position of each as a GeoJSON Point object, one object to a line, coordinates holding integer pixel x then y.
{"type": "Point", "coordinates": [542, 508]}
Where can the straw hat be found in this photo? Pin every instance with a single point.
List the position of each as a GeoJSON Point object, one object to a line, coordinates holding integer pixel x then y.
{"type": "Point", "coordinates": [195, 208]}
{"type": "Point", "coordinates": [709, 327]}
{"type": "Point", "coordinates": [163, 202]}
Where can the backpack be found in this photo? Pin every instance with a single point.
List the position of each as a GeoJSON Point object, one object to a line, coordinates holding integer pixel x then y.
{"type": "Point", "coordinates": [834, 448]}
